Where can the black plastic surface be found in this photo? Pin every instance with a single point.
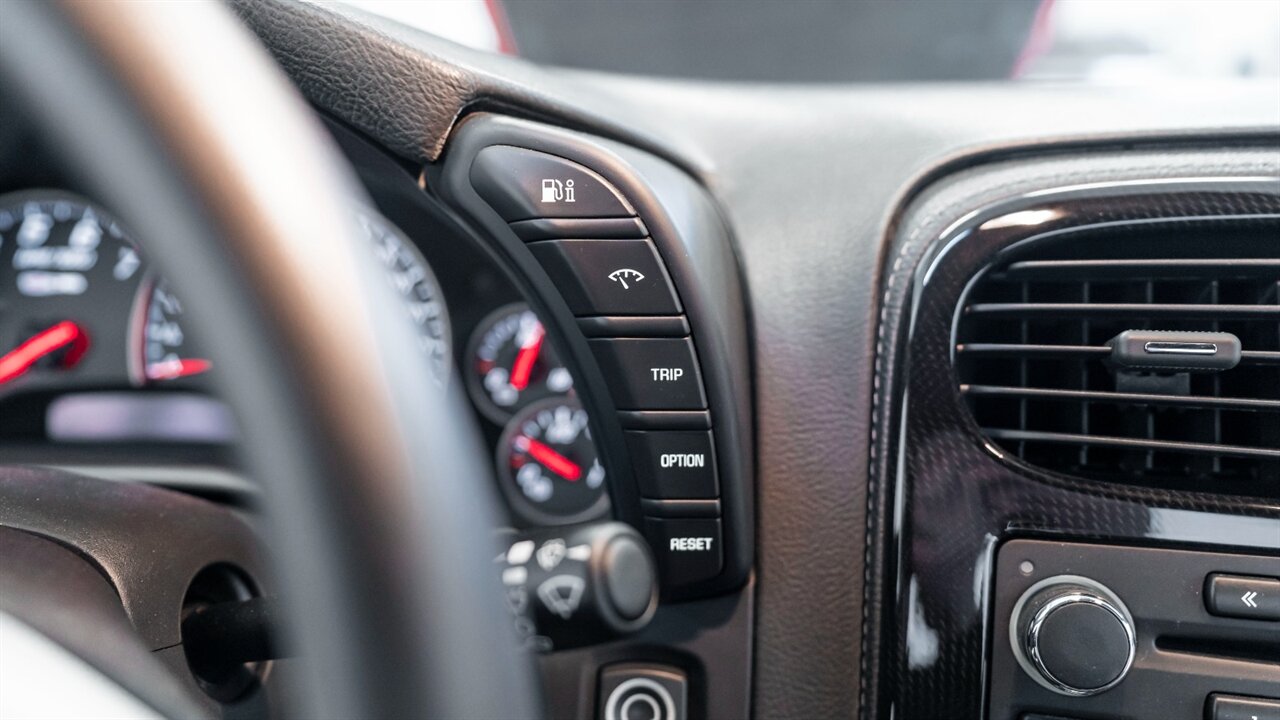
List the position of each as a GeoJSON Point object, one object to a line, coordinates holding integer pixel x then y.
{"type": "Point", "coordinates": [521, 184]}
{"type": "Point", "coordinates": [579, 584]}
{"type": "Point", "coordinates": [1230, 707]}
{"type": "Point", "coordinates": [551, 228]}
{"type": "Point", "coordinates": [651, 373]}
{"type": "Point", "coordinates": [637, 691]}
{"type": "Point", "coordinates": [1183, 653]}
{"type": "Point", "coordinates": [63, 596]}
{"type": "Point", "coordinates": [692, 240]}
{"type": "Point", "coordinates": [608, 277]}
{"type": "Point", "coordinates": [688, 550]}
{"type": "Point", "coordinates": [945, 497]}
{"type": "Point", "coordinates": [622, 326]}
{"type": "Point", "coordinates": [680, 508]}
{"type": "Point", "coordinates": [148, 543]}
{"type": "Point", "coordinates": [629, 576]}
{"type": "Point", "coordinates": [672, 465]}
{"type": "Point", "coordinates": [706, 639]}
{"type": "Point", "coordinates": [1255, 598]}
{"type": "Point", "coordinates": [1083, 646]}
{"type": "Point", "coordinates": [1170, 351]}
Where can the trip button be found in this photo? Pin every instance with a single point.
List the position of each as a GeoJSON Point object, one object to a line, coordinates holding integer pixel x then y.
{"type": "Point", "coordinates": [650, 373]}
{"type": "Point", "coordinates": [1241, 596]}
{"type": "Point", "coordinates": [687, 549]}
{"type": "Point", "coordinates": [608, 277]}
{"type": "Point", "coordinates": [674, 465]}
{"type": "Point", "coordinates": [521, 184]}
{"type": "Point", "coordinates": [1231, 707]}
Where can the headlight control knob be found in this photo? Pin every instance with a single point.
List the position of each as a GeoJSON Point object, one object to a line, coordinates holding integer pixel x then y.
{"type": "Point", "coordinates": [1073, 636]}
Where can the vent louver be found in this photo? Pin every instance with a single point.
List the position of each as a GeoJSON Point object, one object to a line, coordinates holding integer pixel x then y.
{"type": "Point", "coordinates": [1038, 373]}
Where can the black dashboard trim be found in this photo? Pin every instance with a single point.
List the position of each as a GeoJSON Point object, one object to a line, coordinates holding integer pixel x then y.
{"type": "Point", "coordinates": [942, 213]}
{"type": "Point", "coordinates": [688, 231]}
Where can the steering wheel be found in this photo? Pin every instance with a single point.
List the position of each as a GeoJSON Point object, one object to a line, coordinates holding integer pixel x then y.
{"type": "Point", "coordinates": [377, 494]}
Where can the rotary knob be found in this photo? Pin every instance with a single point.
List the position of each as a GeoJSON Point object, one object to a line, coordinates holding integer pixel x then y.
{"type": "Point", "coordinates": [1073, 636]}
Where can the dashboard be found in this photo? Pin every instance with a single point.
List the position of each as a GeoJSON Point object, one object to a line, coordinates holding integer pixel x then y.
{"type": "Point", "coordinates": [870, 402]}
{"type": "Point", "coordinates": [99, 355]}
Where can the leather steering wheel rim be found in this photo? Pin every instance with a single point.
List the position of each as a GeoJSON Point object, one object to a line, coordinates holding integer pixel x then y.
{"type": "Point", "coordinates": [378, 496]}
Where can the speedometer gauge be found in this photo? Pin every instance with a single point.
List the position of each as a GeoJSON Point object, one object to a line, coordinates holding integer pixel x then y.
{"type": "Point", "coordinates": [68, 278]}
{"type": "Point", "coordinates": [417, 285]}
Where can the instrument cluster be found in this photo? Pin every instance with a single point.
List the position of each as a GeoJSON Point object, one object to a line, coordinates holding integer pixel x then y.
{"type": "Point", "coordinates": [96, 351]}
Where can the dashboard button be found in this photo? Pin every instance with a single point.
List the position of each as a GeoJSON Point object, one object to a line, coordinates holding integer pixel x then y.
{"type": "Point", "coordinates": [1240, 596]}
{"type": "Point", "coordinates": [640, 691]}
{"type": "Point", "coordinates": [521, 184]}
{"type": "Point", "coordinates": [608, 277]}
{"type": "Point", "coordinates": [651, 373]}
{"type": "Point", "coordinates": [1230, 707]}
{"type": "Point", "coordinates": [674, 465]}
{"type": "Point", "coordinates": [687, 549]}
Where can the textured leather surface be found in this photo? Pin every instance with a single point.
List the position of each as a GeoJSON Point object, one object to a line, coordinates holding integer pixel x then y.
{"type": "Point", "coordinates": [811, 181]}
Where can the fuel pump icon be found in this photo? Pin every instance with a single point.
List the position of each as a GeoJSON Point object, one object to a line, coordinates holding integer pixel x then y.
{"type": "Point", "coordinates": [555, 191]}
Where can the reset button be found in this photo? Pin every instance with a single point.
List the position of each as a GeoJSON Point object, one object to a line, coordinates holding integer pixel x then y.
{"type": "Point", "coordinates": [687, 549]}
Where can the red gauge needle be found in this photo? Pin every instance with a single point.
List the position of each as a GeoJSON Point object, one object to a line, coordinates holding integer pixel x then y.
{"type": "Point", "coordinates": [174, 369]}
{"type": "Point", "coordinates": [554, 461]}
{"type": "Point", "coordinates": [528, 355]}
{"type": "Point", "coordinates": [65, 334]}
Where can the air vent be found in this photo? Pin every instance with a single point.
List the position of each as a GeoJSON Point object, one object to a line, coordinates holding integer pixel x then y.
{"type": "Point", "coordinates": [1044, 367]}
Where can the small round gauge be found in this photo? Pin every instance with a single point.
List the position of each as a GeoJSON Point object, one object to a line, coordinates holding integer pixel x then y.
{"type": "Point", "coordinates": [548, 465]}
{"type": "Point", "coordinates": [511, 365]}
{"type": "Point", "coordinates": [68, 277]}
{"type": "Point", "coordinates": [168, 353]}
{"type": "Point", "coordinates": [417, 285]}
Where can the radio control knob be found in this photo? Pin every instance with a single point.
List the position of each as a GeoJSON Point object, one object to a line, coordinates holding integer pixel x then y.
{"type": "Point", "coordinates": [1073, 636]}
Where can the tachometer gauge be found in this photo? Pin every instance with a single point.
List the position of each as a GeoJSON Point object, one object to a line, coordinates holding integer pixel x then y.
{"type": "Point", "coordinates": [68, 278]}
{"type": "Point", "coordinates": [511, 365]}
{"type": "Point", "coordinates": [548, 465]}
{"type": "Point", "coordinates": [414, 281]}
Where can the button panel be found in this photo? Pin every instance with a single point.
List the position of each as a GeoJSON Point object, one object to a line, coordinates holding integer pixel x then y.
{"type": "Point", "coordinates": [608, 277]}
{"type": "Point", "coordinates": [522, 184]}
{"type": "Point", "coordinates": [651, 373]}
{"type": "Point", "coordinates": [674, 465]}
{"type": "Point", "coordinates": [567, 201]}
{"type": "Point", "coordinates": [1240, 596]}
{"type": "Point", "coordinates": [687, 549]}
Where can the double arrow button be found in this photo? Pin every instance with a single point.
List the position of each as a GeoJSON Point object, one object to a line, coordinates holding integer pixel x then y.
{"type": "Point", "coordinates": [1240, 596]}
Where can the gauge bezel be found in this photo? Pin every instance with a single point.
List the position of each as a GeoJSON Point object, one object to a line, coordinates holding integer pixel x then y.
{"type": "Point", "coordinates": [475, 386]}
{"type": "Point", "coordinates": [519, 504]}
{"type": "Point", "coordinates": [375, 222]}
